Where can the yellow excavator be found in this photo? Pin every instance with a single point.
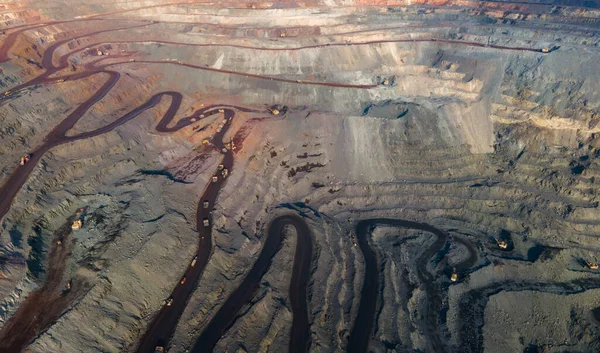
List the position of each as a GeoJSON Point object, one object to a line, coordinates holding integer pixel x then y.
{"type": "Point", "coordinates": [501, 244]}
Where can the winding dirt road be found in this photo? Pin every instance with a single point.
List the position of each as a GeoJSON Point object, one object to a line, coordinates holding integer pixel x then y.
{"type": "Point", "coordinates": [363, 326]}
{"type": "Point", "coordinates": [228, 313]}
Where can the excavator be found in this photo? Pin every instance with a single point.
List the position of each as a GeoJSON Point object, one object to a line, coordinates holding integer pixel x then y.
{"type": "Point", "coordinates": [501, 244]}
{"type": "Point", "coordinates": [591, 265]}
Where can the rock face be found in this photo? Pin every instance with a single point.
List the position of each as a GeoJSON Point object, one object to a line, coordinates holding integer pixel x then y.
{"type": "Point", "coordinates": [448, 127]}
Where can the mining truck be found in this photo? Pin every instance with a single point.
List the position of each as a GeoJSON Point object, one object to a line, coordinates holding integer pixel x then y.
{"type": "Point", "coordinates": [205, 204]}
{"type": "Point", "coordinates": [220, 167]}
{"type": "Point", "coordinates": [77, 224]}
{"type": "Point", "coordinates": [159, 349]}
{"type": "Point", "coordinates": [194, 261]}
{"type": "Point", "coordinates": [169, 301]}
{"type": "Point", "coordinates": [454, 276]}
{"type": "Point", "coordinates": [545, 50]}
{"type": "Point", "coordinates": [182, 280]}
{"type": "Point", "coordinates": [26, 158]}
{"type": "Point", "coordinates": [225, 173]}
{"type": "Point", "coordinates": [206, 222]}
{"type": "Point", "coordinates": [214, 179]}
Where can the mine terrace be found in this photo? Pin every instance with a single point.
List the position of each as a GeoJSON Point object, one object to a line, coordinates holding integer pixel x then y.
{"type": "Point", "coordinates": [318, 176]}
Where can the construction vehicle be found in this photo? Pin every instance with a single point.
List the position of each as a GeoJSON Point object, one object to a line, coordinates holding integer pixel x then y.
{"type": "Point", "coordinates": [69, 285]}
{"type": "Point", "coordinates": [169, 301]}
{"type": "Point", "coordinates": [274, 111]}
{"type": "Point", "coordinates": [99, 53]}
{"type": "Point", "coordinates": [182, 280]}
{"type": "Point", "coordinates": [7, 93]}
{"type": "Point", "coordinates": [225, 173]}
{"type": "Point", "coordinates": [591, 265]}
{"type": "Point", "coordinates": [454, 276]}
{"type": "Point", "coordinates": [26, 158]}
{"type": "Point", "coordinates": [201, 115]}
{"type": "Point", "coordinates": [502, 244]}
{"type": "Point", "coordinates": [205, 142]}
{"type": "Point", "coordinates": [545, 50]}
{"type": "Point", "coordinates": [159, 349]}
{"type": "Point", "coordinates": [220, 167]}
{"type": "Point", "coordinates": [214, 179]}
{"type": "Point", "coordinates": [131, 60]}
{"type": "Point", "coordinates": [221, 110]}
{"type": "Point", "coordinates": [224, 150]}
{"type": "Point", "coordinates": [282, 35]}
{"type": "Point", "coordinates": [60, 80]}
{"type": "Point", "coordinates": [194, 261]}
{"type": "Point", "coordinates": [205, 204]}
{"type": "Point", "coordinates": [58, 242]}
{"type": "Point", "coordinates": [206, 222]}
{"type": "Point", "coordinates": [77, 224]}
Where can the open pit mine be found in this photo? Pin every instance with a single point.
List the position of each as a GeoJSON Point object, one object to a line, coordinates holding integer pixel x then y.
{"type": "Point", "coordinates": [358, 176]}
